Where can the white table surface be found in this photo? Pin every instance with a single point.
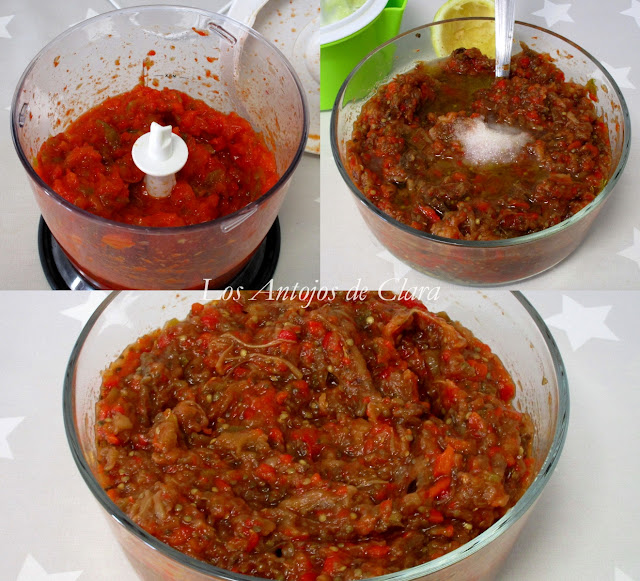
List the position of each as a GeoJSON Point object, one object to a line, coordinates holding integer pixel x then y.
{"type": "Point", "coordinates": [26, 26]}
{"type": "Point", "coordinates": [584, 526]}
{"type": "Point", "coordinates": [609, 258]}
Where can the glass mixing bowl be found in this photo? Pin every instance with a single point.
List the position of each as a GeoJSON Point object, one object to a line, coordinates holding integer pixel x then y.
{"type": "Point", "coordinates": [505, 321]}
{"type": "Point", "coordinates": [479, 262]}
{"type": "Point", "coordinates": [206, 55]}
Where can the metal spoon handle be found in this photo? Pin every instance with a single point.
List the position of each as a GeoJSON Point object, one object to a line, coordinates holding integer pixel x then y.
{"type": "Point", "coordinates": [505, 16]}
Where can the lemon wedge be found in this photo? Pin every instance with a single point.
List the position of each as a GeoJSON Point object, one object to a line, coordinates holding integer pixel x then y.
{"type": "Point", "coordinates": [448, 37]}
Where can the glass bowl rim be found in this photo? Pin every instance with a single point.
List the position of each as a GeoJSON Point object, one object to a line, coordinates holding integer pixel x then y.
{"type": "Point", "coordinates": [160, 230]}
{"type": "Point", "coordinates": [598, 201]}
{"type": "Point", "coordinates": [414, 573]}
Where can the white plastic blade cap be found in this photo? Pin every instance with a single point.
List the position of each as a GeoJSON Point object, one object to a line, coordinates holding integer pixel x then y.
{"type": "Point", "coordinates": [160, 154]}
{"type": "Point", "coordinates": [160, 146]}
{"type": "Point", "coordinates": [159, 186]}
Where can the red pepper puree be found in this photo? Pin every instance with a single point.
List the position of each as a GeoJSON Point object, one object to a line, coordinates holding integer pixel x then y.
{"type": "Point", "coordinates": [312, 438]}
{"type": "Point", "coordinates": [90, 164]}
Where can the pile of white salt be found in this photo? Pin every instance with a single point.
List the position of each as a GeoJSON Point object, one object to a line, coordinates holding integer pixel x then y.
{"type": "Point", "coordinates": [486, 143]}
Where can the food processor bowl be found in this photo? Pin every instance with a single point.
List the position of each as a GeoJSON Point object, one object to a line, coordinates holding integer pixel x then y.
{"type": "Point", "coordinates": [206, 55]}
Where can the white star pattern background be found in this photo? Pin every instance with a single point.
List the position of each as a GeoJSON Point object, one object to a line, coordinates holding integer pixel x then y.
{"type": "Point", "coordinates": [4, 21]}
{"type": "Point", "coordinates": [609, 30]}
{"type": "Point", "coordinates": [621, 576]}
{"type": "Point", "coordinates": [633, 251]}
{"type": "Point", "coordinates": [33, 571]}
{"type": "Point", "coordinates": [554, 13]}
{"type": "Point", "coordinates": [7, 425]}
{"type": "Point", "coordinates": [633, 11]}
{"type": "Point", "coordinates": [83, 311]}
{"type": "Point", "coordinates": [620, 75]}
{"type": "Point", "coordinates": [582, 323]}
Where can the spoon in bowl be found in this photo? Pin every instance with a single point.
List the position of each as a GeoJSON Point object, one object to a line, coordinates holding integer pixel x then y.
{"type": "Point", "coordinates": [505, 16]}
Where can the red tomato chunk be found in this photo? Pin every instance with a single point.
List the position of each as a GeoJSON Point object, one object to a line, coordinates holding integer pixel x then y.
{"type": "Point", "coordinates": [361, 437]}
{"type": "Point", "coordinates": [90, 164]}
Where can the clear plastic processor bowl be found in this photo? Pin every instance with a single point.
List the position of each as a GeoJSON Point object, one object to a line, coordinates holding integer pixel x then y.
{"type": "Point", "coordinates": [505, 321]}
{"type": "Point", "coordinates": [206, 55]}
{"type": "Point", "coordinates": [479, 262]}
